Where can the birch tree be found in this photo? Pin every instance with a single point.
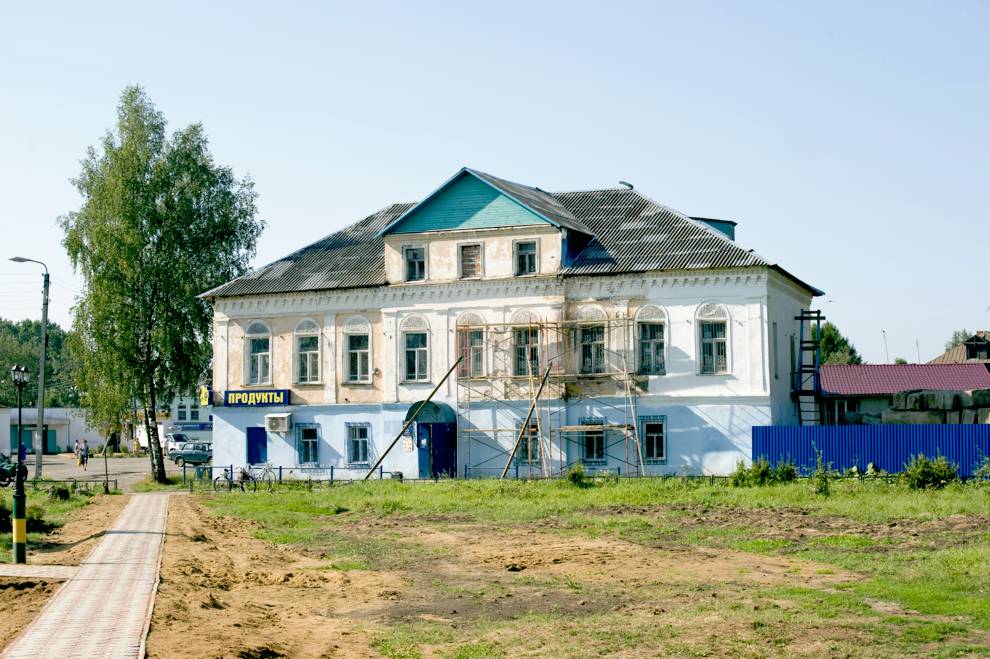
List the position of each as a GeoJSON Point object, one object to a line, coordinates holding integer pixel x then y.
{"type": "Point", "coordinates": [160, 222]}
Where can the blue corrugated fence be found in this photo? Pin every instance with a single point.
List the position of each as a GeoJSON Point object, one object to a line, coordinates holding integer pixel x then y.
{"type": "Point", "coordinates": [887, 447]}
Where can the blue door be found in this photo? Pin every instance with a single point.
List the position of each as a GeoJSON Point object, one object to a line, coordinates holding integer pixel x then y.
{"type": "Point", "coordinates": [423, 448]}
{"type": "Point", "coordinates": [437, 446]}
{"type": "Point", "coordinates": [257, 446]}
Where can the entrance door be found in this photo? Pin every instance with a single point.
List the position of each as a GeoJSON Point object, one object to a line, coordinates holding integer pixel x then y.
{"type": "Point", "coordinates": [257, 446]}
{"type": "Point", "coordinates": [437, 446]}
{"type": "Point", "coordinates": [443, 449]}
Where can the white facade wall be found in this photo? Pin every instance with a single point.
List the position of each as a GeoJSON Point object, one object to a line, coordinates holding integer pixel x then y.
{"type": "Point", "coordinates": [708, 417]}
{"type": "Point", "coordinates": [69, 425]}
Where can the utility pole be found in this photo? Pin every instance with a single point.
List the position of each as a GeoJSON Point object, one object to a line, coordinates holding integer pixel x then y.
{"type": "Point", "coordinates": [39, 447]}
{"type": "Point", "coordinates": [39, 444]}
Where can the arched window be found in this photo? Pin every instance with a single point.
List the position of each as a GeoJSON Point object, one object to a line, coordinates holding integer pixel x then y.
{"type": "Point", "coordinates": [651, 337]}
{"type": "Point", "coordinates": [258, 340]}
{"type": "Point", "coordinates": [470, 346]}
{"type": "Point", "coordinates": [525, 344]}
{"type": "Point", "coordinates": [713, 334]}
{"type": "Point", "coordinates": [307, 345]}
{"type": "Point", "coordinates": [357, 349]}
{"type": "Point", "coordinates": [415, 333]}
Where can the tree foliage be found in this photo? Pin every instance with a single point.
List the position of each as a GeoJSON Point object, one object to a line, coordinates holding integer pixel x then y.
{"type": "Point", "coordinates": [20, 343]}
{"type": "Point", "coordinates": [957, 338]}
{"type": "Point", "coordinates": [160, 223]}
{"type": "Point", "coordinates": [835, 348]}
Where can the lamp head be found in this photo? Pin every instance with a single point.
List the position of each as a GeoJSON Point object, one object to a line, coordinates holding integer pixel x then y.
{"type": "Point", "coordinates": [19, 259]}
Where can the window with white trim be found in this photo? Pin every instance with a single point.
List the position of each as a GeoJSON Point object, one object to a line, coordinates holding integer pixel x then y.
{"type": "Point", "coordinates": [307, 443]}
{"type": "Point", "coordinates": [526, 257]}
{"type": "Point", "coordinates": [713, 339]}
{"type": "Point", "coordinates": [307, 340]}
{"type": "Point", "coordinates": [180, 411]}
{"type": "Point", "coordinates": [653, 439]}
{"type": "Point", "coordinates": [357, 350]}
{"type": "Point", "coordinates": [526, 346]}
{"type": "Point", "coordinates": [357, 444]}
{"type": "Point", "coordinates": [194, 410]}
{"type": "Point", "coordinates": [415, 263]}
{"type": "Point", "coordinates": [529, 446]}
{"type": "Point", "coordinates": [471, 350]}
{"type": "Point", "coordinates": [592, 346]}
{"type": "Point", "coordinates": [593, 441]}
{"type": "Point", "coordinates": [259, 343]}
{"type": "Point", "coordinates": [417, 345]}
{"type": "Point", "coordinates": [416, 349]}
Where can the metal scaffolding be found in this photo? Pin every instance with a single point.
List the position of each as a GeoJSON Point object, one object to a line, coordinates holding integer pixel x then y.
{"type": "Point", "coordinates": [582, 360]}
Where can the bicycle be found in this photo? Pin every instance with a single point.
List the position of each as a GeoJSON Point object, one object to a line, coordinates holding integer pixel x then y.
{"type": "Point", "coordinates": [265, 474]}
{"type": "Point", "coordinates": [244, 481]}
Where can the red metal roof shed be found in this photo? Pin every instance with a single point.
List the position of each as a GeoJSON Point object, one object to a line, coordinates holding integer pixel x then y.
{"type": "Point", "coordinates": [881, 379]}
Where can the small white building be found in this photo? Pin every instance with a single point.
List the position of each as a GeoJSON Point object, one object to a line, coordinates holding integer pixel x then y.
{"type": "Point", "coordinates": [65, 426]}
{"type": "Point", "coordinates": [660, 339]}
{"type": "Point", "coordinates": [185, 416]}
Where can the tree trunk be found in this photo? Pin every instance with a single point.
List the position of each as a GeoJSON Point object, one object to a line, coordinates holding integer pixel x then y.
{"type": "Point", "coordinates": [154, 444]}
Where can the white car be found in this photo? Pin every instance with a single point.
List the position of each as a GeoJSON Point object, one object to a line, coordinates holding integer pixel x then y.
{"type": "Point", "coordinates": [175, 440]}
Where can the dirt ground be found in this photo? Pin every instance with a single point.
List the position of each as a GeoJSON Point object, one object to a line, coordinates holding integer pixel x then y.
{"type": "Point", "coordinates": [21, 598]}
{"type": "Point", "coordinates": [218, 582]}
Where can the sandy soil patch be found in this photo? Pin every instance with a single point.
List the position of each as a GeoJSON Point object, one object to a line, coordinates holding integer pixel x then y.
{"type": "Point", "coordinates": [71, 544]}
{"type": "Point", "coordinates": [20, 601]}
{"type": "Point", "coordinates": [225, 593]}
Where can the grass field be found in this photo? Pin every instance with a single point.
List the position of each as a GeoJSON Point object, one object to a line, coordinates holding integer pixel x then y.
{"type": "Point", "coordinates": [643, 567]}
{"type": "Point", "coordinates": [39, 506]}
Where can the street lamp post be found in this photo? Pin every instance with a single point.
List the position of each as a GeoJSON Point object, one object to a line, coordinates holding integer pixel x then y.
{"type": "Point", "coordinates": [39, 446]}
{"type": "Point", "coordinates": [19, 375]}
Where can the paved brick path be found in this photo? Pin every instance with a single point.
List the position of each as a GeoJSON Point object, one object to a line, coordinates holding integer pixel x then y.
{"type": "Point", "coordinates": [105, 609]}
{"type": "Point", "coordinates": [55, 572]}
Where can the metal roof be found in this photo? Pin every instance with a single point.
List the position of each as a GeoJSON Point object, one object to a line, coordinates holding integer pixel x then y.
{"type": "Point", "coordinates": [629, 233]}
{"type": "Point", "coordinates": [883, 379]}
{"type": "Point", "coordinates": [351, 258]}
{"type": "Point", "coordinates": [957, 354]}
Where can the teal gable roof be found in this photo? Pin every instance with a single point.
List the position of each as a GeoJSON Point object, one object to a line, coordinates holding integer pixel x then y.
{"type": "Point", "coordinates": [465, 202]}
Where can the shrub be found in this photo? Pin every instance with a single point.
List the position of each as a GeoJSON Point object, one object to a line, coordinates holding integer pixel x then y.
{"type": "Point", "coordinates": [922, 473]}
{"type": "Point", "coordinates": [785, 472]}
{"type": "Point", "coordinates": [822, 476]}
{"type": "Point", "coordinates": [981, 471]}
{"type": "Point", "coordinates": [761, 473]}
{"type": "Point", "coordinates": [35, 520]}
{"type": "Point", "coordinates": [576, 474]}
{"type": "Point", "coordinates": [58, 493]}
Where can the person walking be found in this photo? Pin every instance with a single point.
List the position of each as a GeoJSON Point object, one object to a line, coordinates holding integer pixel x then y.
{"type": "Point", "coordinates": [75, 451]}
{"type": "Point", "coordinates": [84, 454]}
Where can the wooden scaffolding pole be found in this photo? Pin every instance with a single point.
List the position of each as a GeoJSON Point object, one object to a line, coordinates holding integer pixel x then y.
{"type": "Point", "coordinates": [524, 429]}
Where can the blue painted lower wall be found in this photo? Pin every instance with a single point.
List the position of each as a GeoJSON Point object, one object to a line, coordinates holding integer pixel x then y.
{"type": "Point", "coordinates": [887, 447]}
{"type": "Point", "coordinates": [704, 438]}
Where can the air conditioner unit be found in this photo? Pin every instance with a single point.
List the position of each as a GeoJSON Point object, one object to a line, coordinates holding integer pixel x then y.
{"type": "Point", "coordinates": [278, 422]}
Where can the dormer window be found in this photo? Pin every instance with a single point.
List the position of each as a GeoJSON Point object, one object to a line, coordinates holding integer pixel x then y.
{"type": "Point", "coordinates": [526, 258]}
{"type": "Point", "coordinates": [415, 259]}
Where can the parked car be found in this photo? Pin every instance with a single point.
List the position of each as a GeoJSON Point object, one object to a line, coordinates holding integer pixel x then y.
{"type": "Point", "coordinates": [192, 453]}
{"type": "Point", "coordinates": [174, 440]}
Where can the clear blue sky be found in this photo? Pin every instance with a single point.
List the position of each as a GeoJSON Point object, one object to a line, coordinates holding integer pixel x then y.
{"type": "Point", "coordinates": [851, 141]}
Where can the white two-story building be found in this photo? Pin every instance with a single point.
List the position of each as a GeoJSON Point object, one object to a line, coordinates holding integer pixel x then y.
{"type": "Point", "coordinates": [635, 339]}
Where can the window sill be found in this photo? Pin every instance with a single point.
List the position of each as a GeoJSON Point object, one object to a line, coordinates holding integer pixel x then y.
{"type": "Point", "coordinates": [357, 465]}
{"type": "Point", "coordinates": [416, 382]}
{"type": "Point", "coordinates": [594, 463]}
{"type": "Point", "coordinates": [316, 383]}
{"type": "Point", "coordinates": [655, 462]}
{"type": "Point", "coordinates": [709, 375]}
{"type": "Point", "coordinates": [357, 383]}
{"type": "Point", "coordinates": [652, 375]}
{"type": "Point", "coordinates": [256, 384]}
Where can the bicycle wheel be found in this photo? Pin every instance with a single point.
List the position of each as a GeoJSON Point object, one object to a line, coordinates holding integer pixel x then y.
{"type": "Point", "coordinates": [268, 479]}
{"type": "Point", "coordinates": [220, 484]}
{"type": "Point", "coordinates": [249, 484]}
